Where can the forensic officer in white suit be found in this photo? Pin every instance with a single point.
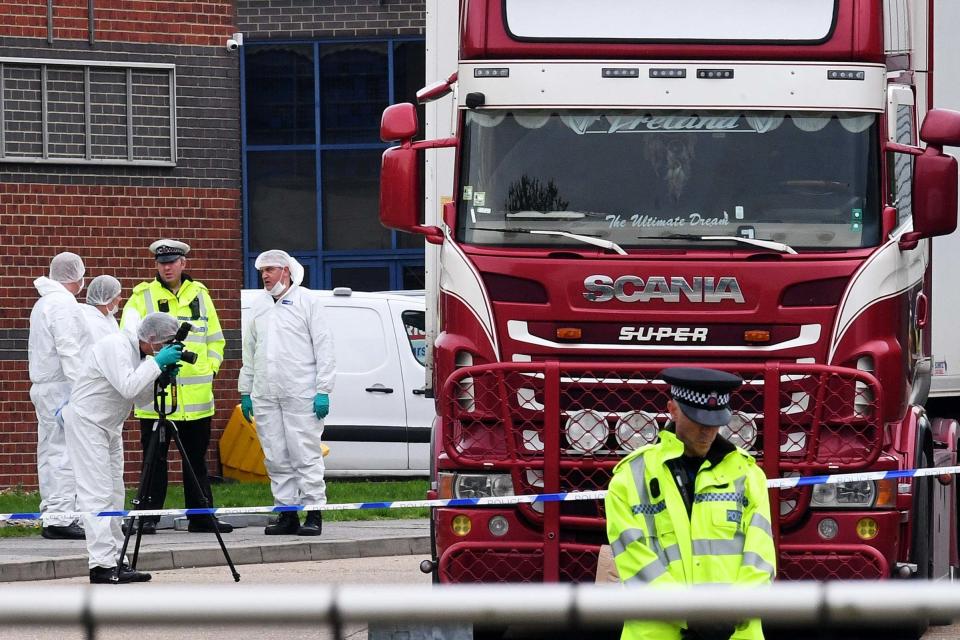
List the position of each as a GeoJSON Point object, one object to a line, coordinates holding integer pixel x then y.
{"type": "Point", "coordinates": [118, 373]}
{"type": "Point", "coordinates": [56, 351]}
{"type": "Point", "coordinates": [103, 302]}
{"type": "Point", "coordinates": [285, 382]}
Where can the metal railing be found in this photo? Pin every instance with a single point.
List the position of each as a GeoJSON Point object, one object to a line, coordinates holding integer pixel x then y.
{"type": "Point", "coordinates": [805, 604]}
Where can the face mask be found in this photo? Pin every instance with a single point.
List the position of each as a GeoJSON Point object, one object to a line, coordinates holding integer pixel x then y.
{"type": "Point", "coordinates": [277, 288]}
{"type": "Point", "coordinates": [113, 310]}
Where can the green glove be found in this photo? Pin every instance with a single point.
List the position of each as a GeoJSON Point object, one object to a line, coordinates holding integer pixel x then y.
{"type": "Point", "coordinates": [321, 405]}
{"type": "Point", "coordinates": [167, 356]}
{"type": "Point", "coordinates": [246, 406]}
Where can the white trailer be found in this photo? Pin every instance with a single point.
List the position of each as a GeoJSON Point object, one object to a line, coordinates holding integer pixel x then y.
{"type": "Point", "coordinates": [946, 249]}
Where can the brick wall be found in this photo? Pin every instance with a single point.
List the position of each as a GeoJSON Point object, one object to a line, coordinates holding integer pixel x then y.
{"type": "Point", "coordinates": [288, 19]}
{"type": "Point", "coordinates": [178, 22]}
{"type": "Point", "coordinates": [110, 214]}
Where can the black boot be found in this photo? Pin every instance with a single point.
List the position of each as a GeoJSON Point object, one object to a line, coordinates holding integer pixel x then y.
{"type": "Point", "coordinates": [127, 574]}
{"type": "Point", "coordinates": [72, 531]}
{"type": "Point", "coordinates": [314, 524]}
{"type": "Point", "coordinates": [206, 524]}
{"type": "Point", "coordinates": [117, 575]}
{"type": "Point", "coordinates": [149, 528]}
{"type": "Point", "coordinates": [287, 524]}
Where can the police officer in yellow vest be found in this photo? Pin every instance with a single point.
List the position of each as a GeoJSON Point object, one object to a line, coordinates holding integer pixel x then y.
{"type": "Point", "coordinates": [692, 508]}
{"type": "Point", "coordinates": [176, 293]}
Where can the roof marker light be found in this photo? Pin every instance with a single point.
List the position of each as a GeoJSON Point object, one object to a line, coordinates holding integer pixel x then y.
{"type": "Point", "coordinates": [840, 74]}
{"type": "Point", "coordinates": [491, 72]}
{"type": "Point", "coordinates": [715, 74]}
{"type": "Point", "coordinates": [668, 73]}
{"type": "Point", "coordinates": [620, 72]}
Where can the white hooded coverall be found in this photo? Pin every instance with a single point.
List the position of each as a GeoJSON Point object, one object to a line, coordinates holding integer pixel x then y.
{"type": "Point", "coordinates": [98, 325]}
{"type": "Point", "coordinates": [56, 349]}
{"type": "Point", "coordinates": [288, 358]}
{"type": "Point", "coordinates": [101, 400]}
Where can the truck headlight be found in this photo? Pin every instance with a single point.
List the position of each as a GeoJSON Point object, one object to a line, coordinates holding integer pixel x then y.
{"type": "Point", "coordinates": [636, 429]}
{"type": "Point", "coordinates": [475, 485]}
{"type": "Point", "coordinates": [855, 495]}
{"type": "Point", "coordinates": [742, 430]}
{"type": "Point", "coordinates": [587, 431]}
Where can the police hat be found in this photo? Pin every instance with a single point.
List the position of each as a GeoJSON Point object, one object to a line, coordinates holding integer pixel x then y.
{"type": "Point", "coordinates": [702, 394]}
{"type": "Point", "coordinates": [169, 250]}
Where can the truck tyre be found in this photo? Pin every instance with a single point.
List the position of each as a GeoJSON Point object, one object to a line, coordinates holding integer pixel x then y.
{"type": "Point", "coordinates": [921, 546]}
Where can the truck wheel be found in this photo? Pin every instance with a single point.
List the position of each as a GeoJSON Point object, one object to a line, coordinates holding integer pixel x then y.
{"type": "Point", "coordinates": [435, 574]}
{"type": "Point", "coordinates": [921, 547]}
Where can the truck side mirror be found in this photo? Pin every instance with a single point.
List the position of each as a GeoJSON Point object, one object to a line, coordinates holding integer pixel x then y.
{"type": "Point", "coordinates": [399, 122]}
{"type": "Point", "coordinates": [400, 193]}
{"type": "Point", "coordinates": [935, 176]}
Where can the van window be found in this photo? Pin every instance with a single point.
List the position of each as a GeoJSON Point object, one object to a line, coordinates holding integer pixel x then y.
{"type": "Point", "coordinates": [413, 323]}
{"type": "Point", "coordinates": [357, 338]}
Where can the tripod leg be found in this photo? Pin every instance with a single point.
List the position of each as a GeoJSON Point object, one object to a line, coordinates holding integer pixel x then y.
{"type": "Point", "coordinates": [143, 487]}
{"type": "Point", "coordinates": [191, 476]}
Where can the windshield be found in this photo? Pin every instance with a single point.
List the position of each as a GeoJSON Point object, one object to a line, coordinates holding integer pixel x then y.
{"type": "Point", "coordinates": [669, 179]}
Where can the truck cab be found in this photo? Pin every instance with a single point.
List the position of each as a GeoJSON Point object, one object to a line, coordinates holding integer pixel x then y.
{"type": "Point", "coordinates": [752, 188]}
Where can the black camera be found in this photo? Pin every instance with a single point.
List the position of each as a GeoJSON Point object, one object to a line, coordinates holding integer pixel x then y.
{"type": "Point", "coordinates": [185, 356]}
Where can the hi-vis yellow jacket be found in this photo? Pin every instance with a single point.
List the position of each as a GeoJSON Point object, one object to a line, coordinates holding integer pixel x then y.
{"type": "Point", "coordinates": [191, 304]}
{"type": "Point", "coordinates": [727, 539]}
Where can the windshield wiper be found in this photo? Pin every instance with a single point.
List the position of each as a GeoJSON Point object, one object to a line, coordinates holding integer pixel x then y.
{"type": "Point", "coordinates": [753, 242]}
{"type": "Point", "coordinates": [597, 242]}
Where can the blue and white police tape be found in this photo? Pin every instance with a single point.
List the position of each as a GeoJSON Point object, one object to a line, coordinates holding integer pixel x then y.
{"type": "Point", "coordinates": [777, 483]}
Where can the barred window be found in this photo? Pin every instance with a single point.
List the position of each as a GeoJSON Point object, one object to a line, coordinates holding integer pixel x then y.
{"type": "Point", "coordinates": [78, 112]}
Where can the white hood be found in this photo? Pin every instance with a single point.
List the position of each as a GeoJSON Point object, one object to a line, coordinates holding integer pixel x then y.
{"type": "Point", "coordinates": [45, 287]}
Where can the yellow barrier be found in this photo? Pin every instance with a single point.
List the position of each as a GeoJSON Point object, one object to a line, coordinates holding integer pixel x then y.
{"type": "Point", "coordinates": [240, 452]}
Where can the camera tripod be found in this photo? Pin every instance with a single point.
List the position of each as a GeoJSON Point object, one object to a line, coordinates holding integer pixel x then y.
{"type": "Point", "coordinates": [161, 429]}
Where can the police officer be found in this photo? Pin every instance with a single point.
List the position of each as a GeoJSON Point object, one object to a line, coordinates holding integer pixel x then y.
{"type": "Point", "coordinates": [692, 508]}
{"type": "Point", "coordinates": [174, 292]}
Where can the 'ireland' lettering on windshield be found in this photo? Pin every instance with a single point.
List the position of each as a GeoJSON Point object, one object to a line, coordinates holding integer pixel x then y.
{"type": "Point", "coordinates": [693, 220]}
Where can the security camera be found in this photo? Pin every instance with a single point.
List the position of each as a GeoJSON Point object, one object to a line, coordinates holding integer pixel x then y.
{"type": "Point", "coordinates": [235, 42]}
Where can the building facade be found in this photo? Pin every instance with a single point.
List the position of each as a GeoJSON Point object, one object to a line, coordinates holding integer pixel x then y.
{"type": "Point", "coordinates": [124, 121]}
{"type": "Point", "coordinates": [315, 78]}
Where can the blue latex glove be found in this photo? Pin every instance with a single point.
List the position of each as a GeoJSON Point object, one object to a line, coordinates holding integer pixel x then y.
{"type": "Point", "coordinates": [246, 407]}
{"type": "Point", "coordinates": [169, 355]}
{"type": "Point", "coordinates": [321, 405]}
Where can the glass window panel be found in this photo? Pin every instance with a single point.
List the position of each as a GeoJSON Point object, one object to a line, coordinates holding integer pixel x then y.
{"type": "Point", "coordinates": [413, 277]}
{"type": "Point", "coordinates": [414, 324]}
{"type": "Point", "coordinates": [409, 241]}
{"type": "Point", "coordinates": [351, 201]}
{"type": "Point", "coordinates": [409, 75]}
{"type": "Point", "coordinates": [281, 190]}
{"type": "Point", "coordinates": [353, 95]}
{"type": "Point", "coordinates": [279, 94]}
{"type": "Point", "coordinates": [361, 278]}
{"type": "Point", "coordinates": [903, 165]}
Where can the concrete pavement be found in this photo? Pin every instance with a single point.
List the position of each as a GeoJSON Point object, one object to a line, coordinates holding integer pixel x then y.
{"type": "Point", "coordinates": [35, 558]}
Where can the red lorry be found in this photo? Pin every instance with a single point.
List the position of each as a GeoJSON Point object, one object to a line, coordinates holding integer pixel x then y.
{"type": "Point", "coordinates": [643, 185]}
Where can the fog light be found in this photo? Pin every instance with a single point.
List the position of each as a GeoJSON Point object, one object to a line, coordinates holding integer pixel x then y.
{"type": "Point", "coordinates": [867, 528]}
{"type": "Point", "coordinates": [587, 431]}
{"type": "Point", "coordinates": [461, 526]}
{"type": "Point", "coordinates": [636, 429]}
{"type": "Point", "coordinates": [498, 526]}
{"type": "Point", "coordinates": [827, 528]}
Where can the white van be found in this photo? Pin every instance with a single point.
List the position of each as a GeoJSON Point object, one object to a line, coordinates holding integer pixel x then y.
{"type": "Point", "coordinates": [380, 419]}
